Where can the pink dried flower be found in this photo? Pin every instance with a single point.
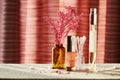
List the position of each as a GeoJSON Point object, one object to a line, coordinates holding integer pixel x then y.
{"type": "Point", "coordinates": [67, 21]}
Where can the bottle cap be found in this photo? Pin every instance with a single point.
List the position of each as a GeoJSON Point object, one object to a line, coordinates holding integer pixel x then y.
{"type": "Point", "coordinates": [70, 44]}
{"type": "Point", "coordinates": [93, 10]}
{"type": "Point", "coordinates": [93, 16]}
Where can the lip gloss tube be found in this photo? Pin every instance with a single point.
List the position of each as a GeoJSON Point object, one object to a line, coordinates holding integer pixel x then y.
{"type": "Point", "coordinates": [70, 55]}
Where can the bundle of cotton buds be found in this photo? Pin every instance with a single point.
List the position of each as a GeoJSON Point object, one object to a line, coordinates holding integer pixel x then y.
{"type": "Point", "coordinates": [79, 44]}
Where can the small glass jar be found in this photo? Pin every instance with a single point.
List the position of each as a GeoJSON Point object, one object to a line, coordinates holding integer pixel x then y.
{"type": "Point", "coordinates": [58, 57]}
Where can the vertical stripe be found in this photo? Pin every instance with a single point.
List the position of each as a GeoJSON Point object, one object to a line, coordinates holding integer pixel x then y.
{"type": "Point", "coordinates": [1, 32]}
{"type": "Point", "coordinates": [101, 31]}
{"type": "Point", "coordinates": [29, 43]}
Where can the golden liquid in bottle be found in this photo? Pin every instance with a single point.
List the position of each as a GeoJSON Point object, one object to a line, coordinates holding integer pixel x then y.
{"type": "Point", "coordinates": [91, 57]}
{"type": "Point", "coordinates": [58, 57]}
{"type": "Point", "coordinates": [70, 59]}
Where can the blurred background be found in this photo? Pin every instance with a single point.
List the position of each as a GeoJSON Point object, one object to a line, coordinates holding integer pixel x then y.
{"type": "Point", "coordinates": [26, 38]}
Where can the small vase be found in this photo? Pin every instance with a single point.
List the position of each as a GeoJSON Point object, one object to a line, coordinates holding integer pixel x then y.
{"type": "Point", "coordinates": [58, 57]}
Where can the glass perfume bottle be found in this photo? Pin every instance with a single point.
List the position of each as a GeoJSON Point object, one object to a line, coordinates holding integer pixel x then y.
{"type": "Point", "coordinates": [58, 57]}
{"type": "Point", "coordinates": [92, 38]}
{"type": "Point", "coordinates": [71, 53]}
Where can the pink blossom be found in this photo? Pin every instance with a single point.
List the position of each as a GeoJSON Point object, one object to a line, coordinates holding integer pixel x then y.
{"type": "Point", "coordinates": [67, 21]}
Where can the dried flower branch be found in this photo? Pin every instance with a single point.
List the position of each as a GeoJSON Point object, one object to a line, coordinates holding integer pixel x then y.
{"type": "Point", "coordinates": [67, 21]}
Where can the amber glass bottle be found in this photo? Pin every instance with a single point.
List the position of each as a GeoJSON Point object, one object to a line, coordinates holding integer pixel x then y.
{"type": "Point", "coordinates": [58, 57]}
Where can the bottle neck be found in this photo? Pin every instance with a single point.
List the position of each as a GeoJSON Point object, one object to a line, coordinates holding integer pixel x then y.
{"type": "Point", "coordinates": [59, 45]}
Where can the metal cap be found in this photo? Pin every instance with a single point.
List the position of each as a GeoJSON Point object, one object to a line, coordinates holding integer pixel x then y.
{"type": "Point", "coordinates": [70, 44]}
{"type": "Point", "coordinates": [93, 10]}
{"type": "Point", "coordinates": [93, 16]}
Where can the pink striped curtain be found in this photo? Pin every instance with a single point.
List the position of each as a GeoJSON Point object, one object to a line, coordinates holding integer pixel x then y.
{"type": "Point", "coordinates": [26, 38]}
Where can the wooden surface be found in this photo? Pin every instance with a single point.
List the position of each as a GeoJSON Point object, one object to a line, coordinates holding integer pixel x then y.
{"type": "Point", "coordinates": [41, 71]}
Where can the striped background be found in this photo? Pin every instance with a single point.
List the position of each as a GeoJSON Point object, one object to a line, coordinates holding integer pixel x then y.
{"type": "Point", "coordinates": [26, 38]}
